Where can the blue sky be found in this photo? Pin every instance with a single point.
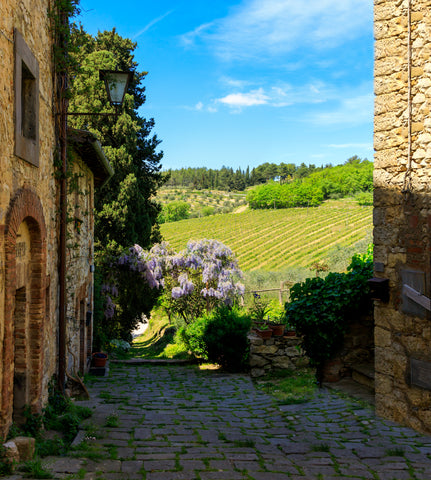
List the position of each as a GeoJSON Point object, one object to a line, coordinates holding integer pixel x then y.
{"type": "Point", "coordinates": [243, 82]}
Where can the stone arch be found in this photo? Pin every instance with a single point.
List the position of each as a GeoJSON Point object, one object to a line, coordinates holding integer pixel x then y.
{"type": "Point", "coordinates": [24, 207]}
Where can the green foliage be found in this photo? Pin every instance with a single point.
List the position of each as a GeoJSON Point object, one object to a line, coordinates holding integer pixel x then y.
{"type": "Point", "coordinates": [364, 198]}
{"type": "Point", "coordinates": [226, 339]}
{"type": "Point", "coordinates": [6, 467]}
{"type": "Point", "coordinates": [192, 336]}
{"type": "Point", "coordinates": [125, 209]}
{"type": "Point", "coordinates": [290, 387]}
{"type": "Point", "coordinates": [34, 469]}
{"type": "Point", "coordinates": [112, 420]}
{"type": "Point", "coordinates": [207, 211]}
{"type": "Point", "coordinates": [50, 447]}
{"type": "Point", "coordinates": [220, 337]}
{"type": "Point", "coordinates": [320, 309]}
{"type": "Point", "coordinates": [62, 415]}
{"type": "Point", "coordinates": [174, 211]}
{"type": "Point", "coordinates": [259, 309]}
{"type": "Point", "coordinates": [334, 182]}
{"type": "Point", "coordinates": [33, 423]}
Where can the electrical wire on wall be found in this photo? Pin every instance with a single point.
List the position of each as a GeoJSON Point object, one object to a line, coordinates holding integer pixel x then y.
{"type": "Point", "coordinates": [407, 176]}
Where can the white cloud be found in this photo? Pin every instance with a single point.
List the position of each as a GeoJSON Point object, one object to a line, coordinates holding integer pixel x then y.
{"type": "Point", "coordinates": [349, 146]}
{"type": "Point", "coordinates": [351, 111]}
{"type": "Point", "coordinates": [256, 28]}
{"type": "Point", "coordinates": [251, 99]}
{"type": "Point", "coordinates": [281, 95]}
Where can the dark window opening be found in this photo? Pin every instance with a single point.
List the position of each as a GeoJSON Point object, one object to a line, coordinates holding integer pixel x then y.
{"type": "Point", "coordinates": [28, 103]}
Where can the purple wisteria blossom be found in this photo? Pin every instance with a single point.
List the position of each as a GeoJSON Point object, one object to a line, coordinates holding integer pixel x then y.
{"type": "Point", "coordinates": [203, 275]}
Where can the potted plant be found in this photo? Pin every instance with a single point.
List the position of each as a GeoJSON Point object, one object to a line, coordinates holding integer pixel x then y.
{"type": "Point", "coordinates": [99, 359]}
{"type": "Point", "coordinates": [264, 331]}
{"type": "Point", "coordinates": [289, 329]}
{"type": "Point", "coordinates": [276, 325]}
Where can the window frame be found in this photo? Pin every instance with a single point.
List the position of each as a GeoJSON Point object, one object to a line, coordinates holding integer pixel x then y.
{"type": "Point", "coordinates": [26, 109]}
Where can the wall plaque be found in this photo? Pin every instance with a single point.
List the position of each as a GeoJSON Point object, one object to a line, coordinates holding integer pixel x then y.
{"type": "Point", "coordinates": [420, 373]}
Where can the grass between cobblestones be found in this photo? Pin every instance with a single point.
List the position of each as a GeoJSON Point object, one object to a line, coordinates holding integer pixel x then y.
{"type": "Point", "coordinates": [290, 386]}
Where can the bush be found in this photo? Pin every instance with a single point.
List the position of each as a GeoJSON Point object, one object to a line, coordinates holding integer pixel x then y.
{"type": "Point", "coordinates": [320, 309]}
{"type": "Point", "coordinates": [192, 336]}
{"type": "Point", "coordinates": [219, 337]}
{"type": "Point", "coordinates": [226, 339]}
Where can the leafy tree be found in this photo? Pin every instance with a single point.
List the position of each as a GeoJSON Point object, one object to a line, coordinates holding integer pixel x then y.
{"type": "Point", "coordinates": [174, 211]}
{"type": "Point", "coordinates": [321, 309]}
{"type": "Point", "coordinates": [125, 212]}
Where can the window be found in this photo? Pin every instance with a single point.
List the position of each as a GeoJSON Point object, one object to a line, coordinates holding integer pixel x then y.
{"type": "Point", "coordinates": [26, 102]}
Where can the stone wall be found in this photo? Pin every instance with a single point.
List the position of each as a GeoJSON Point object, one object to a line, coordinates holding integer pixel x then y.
{"type": "Point", "coordinates": [27, 203]}
{"type": "Point", "coordinates": [357, 349]}
{"type": "Point", "coordinates": [80, 256]}
{"type": "Point", "coordinates": [402, 214]}
{"type": "Point", "coordinates": [275, 353]}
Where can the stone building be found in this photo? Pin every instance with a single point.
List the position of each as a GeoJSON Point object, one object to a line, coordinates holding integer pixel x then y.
{"type": "Point", "coordinates": [402, 214]}
{"type": "Point", "coordinates": [29, 225]}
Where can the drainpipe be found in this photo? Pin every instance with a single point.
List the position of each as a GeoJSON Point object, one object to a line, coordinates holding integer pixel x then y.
{"type": "Point", "coordinates": [63, 213]}
{"type": "Point", "coordinates": [407, 176]}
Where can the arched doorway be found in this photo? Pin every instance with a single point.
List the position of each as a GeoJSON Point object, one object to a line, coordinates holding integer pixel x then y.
{"type": "Point", "coordinates": [25, 275]}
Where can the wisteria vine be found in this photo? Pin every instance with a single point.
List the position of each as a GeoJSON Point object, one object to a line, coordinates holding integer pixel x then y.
{"type": "Point", "coordinates": [195, 280]}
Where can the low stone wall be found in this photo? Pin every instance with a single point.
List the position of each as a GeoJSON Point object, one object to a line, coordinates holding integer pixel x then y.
{"type": "Point", "coordinates": [275, 353]}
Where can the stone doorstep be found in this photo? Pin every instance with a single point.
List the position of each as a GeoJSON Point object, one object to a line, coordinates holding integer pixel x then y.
{"type": "Point", "coordinates": [364, 374]}
{"type": "Point", "coordinates": [352, 388]}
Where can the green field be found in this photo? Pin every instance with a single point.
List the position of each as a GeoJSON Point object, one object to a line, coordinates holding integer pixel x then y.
{"type": "Point", "coordinates": [272, 240]}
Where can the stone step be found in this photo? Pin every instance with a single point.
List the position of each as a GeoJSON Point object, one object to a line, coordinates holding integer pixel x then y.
{"type": "Point", "coordinates": [354, 389]}
{"type": "Point", "coordinates": [364, 374]}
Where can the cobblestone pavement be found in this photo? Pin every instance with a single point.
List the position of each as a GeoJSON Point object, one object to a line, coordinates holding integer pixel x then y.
{"type": "Point", "coordinates": [174, 423]}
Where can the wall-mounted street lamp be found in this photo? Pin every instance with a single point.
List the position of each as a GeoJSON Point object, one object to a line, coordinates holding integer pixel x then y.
{"type": "Point", "coordinates": [116, 83]}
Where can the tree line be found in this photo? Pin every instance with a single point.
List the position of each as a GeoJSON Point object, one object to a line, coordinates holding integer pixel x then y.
{"type": "Point", "coordinates": [353, 178]}
{"type": "Point", "coordinates": [228, 179]}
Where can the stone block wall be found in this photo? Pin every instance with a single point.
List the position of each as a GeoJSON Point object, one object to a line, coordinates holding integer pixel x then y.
{"type": "Point", "coordinates": [275, 353]}
{"type": "Point", "coordinates": [28, 199]}
{"type": "Point", "coordinates": [80, 258]}
{"type": "Point", "coordinates": [402, 201]}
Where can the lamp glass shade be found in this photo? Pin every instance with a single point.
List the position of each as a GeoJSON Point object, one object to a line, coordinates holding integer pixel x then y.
{"type": "Point", "coordinates": [116, 85]}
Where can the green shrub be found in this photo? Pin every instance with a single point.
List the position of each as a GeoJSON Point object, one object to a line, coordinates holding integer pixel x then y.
{"type": "Point", "coordinates": [6, 467]}
{"type": "Point", "coordinates": [226, 339]}
{"type": "Point", "coordinates": [50, 447]}
{"type": "Point", "coordinates": [192, 336]}
{"type": "Point", "coordinates": [320, 309]}
{"type": "Point", "coordinates": [364, 198]}
{"type": "Point", "coordinates": [219, 337]}
{"type": "Point", "coordinates": [207, 211]}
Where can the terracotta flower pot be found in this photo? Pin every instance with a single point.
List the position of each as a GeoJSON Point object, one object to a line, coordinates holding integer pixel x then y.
{"type": "Point", "coordinates": [267, 333]}
{"type": "Point", "coordinates": [99, 359]}
{"type": "Point", "coordinates": [277, 329]}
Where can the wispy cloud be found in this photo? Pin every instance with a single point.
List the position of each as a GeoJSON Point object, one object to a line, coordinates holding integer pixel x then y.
{"type": "Point", "coordinates": [151, 24]}
{"type": "Point", "coordinates": [281, 95]}
{"type": "Point", "coordinates": [256, 29]}
{"type": "Point", "coordinates": [351, 111]}
{"type": "Point", "coordinates": [349, 146]}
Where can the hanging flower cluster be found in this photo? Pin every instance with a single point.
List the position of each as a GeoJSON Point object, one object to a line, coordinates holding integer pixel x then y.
{"type": "Point", "coordinates": [195, 280]}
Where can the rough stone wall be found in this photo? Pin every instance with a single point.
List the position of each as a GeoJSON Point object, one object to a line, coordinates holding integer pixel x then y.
{"type": "Point", "coordinates": [26, 190]}
{"type": "Point", "coordinates": [402, 214]}
{"type": "Point", "coordinates": [275, 353]}
{"type": "Point", "coordinates": [79, 260]}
